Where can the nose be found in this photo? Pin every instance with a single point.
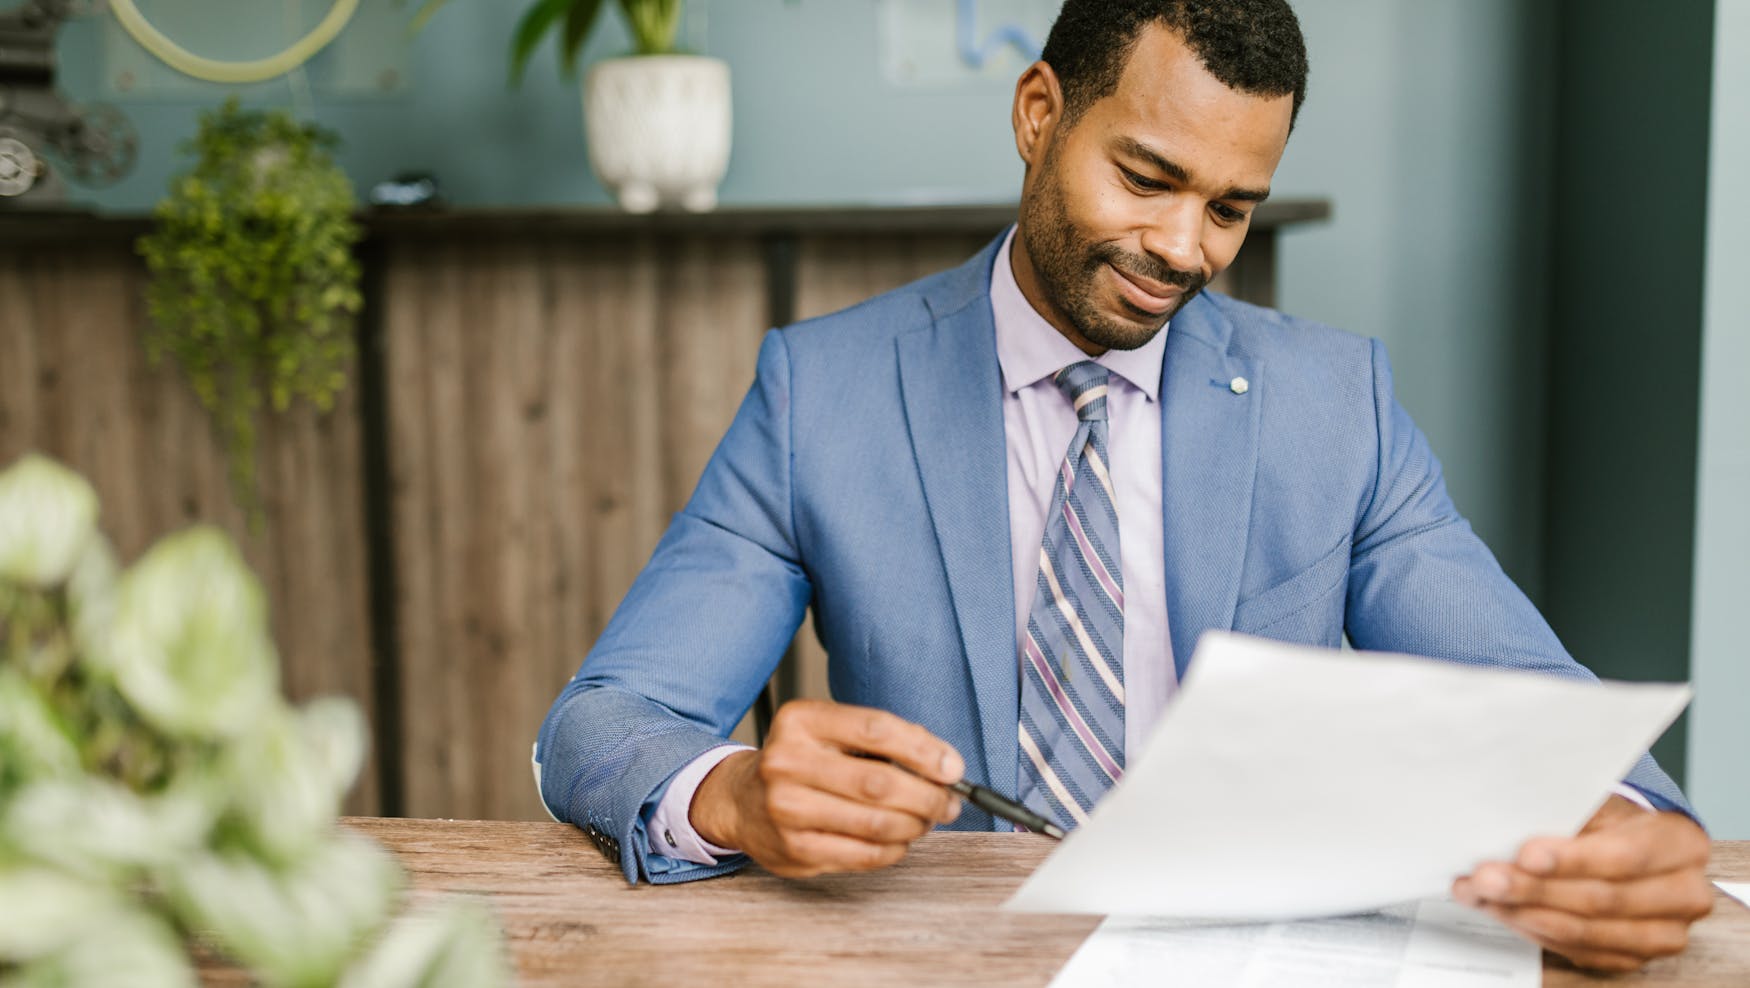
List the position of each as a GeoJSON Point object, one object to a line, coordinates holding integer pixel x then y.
{"type": "Point", "coordinates": [1175, 236]}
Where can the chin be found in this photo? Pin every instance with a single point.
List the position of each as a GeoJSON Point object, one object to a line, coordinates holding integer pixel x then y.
{"type": "Point", "coordinates": [1125, 327]}
{"type": "Point", "coordinates": [1128, 335]}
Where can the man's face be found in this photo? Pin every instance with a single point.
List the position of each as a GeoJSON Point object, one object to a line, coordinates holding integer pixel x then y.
{"type": "Point", "coordinates": [1131, 208]}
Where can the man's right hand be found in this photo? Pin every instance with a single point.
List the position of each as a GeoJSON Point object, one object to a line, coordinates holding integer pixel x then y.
{"type": "Point", "coordinates": [805, 804]}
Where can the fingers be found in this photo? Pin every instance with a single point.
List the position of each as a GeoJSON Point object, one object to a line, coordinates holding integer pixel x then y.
{"type": "Point", "coordinates": [1637, 846]}
{"type": "Point", "coordinates": [1606, 944]}
{"type": "Point", "coordinates": [872, 784]}
{"type": "Point", "coordinates": [1684, 895]}
{"type": "Point", "coordinates": [797, 808]}
{"type": "Point", "coordinates": [812, 806]}
{"type": "Point", "coordinates": [1620, 894]}
{"type": "Point", "coordinates": [877, 732]}
{"type": "Point", "coordinates": [807, 853]}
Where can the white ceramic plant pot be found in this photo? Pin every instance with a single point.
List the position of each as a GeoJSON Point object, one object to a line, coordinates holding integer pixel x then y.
{"type": "Point", "coordinates": [658, 129]}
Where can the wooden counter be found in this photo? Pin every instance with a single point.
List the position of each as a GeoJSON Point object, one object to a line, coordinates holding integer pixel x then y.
{"type": "Point", "coordinates": [571, 919]}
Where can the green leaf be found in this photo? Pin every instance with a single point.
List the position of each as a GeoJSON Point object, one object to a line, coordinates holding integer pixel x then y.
{"type": "Point", "coordinates": [47, 515]}
{"type": "Point", "coordinates": [529, 31]}
{"type": "Point", "coordinates": [653, 23]}
{"type": "Point", "coordinates": [579, 18]}
{"type": "Point", "coordinates": [293, 925]}
{"type": "Point", "coordinates": [189, 643]}
{"type": "Point", "coordinates": [42, 910]}
{"type": "Point", "coordinates": [455, 944]}
{"type": "Point", "coordinates": [123, 946]}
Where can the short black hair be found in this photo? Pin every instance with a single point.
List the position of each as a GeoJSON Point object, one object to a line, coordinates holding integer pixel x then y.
{"type": "Point", "coordinates": [1252, 46]}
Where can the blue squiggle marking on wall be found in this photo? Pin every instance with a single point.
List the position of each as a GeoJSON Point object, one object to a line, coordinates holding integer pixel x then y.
{"type": "Point", "coordinates": [975, 54]}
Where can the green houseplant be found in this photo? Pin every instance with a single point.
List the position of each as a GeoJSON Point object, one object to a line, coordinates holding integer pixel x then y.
{"type": "Point", "coordinates": [658, 121]}
{"type": "Point", "coordinates": [161, 804]}
{"type": "Point", "coordinates": [254, 284]}
{"type": "Point", "coordinates": [653, 24]}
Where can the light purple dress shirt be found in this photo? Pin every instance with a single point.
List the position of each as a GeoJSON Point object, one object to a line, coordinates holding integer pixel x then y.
{"type": "Point", "coordinates": [1038, 423]}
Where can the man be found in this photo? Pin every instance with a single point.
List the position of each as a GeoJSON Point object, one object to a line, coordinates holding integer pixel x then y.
{"type": "Point", "coordinates": [1015, 493]}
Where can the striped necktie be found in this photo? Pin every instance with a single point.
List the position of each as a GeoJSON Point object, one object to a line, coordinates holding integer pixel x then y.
{"type": "Point", "coordinates": [1072, 671]}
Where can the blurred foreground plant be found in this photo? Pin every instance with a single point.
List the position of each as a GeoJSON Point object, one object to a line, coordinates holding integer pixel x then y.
{"type": "Point", "coordinates": [156, 791]}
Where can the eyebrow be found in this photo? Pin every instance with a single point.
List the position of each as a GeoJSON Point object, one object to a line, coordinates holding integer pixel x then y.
{"type": "Point", "coordinates": [1177, 172]}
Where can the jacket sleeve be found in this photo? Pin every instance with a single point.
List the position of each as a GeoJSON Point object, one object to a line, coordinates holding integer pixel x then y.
{"type": "Point", "coordinates": [689, 648]}
{"type": "Point", "coordinates": [1421, 582]}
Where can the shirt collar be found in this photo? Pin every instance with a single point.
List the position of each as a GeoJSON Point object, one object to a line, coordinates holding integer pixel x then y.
{"type": "Point", "coordinates": [1030, 349]}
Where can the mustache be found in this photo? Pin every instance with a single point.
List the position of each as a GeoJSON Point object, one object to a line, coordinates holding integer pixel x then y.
{"type": "Point", "coordinates": [1150, 268]}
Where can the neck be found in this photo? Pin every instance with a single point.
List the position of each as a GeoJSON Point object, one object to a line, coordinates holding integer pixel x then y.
{"type": "Point", "coordinates": [1033, 289]}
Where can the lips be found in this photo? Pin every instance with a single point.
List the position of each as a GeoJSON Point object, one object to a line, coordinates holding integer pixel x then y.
{"type": "Point", "coordinates": [1149, 296]}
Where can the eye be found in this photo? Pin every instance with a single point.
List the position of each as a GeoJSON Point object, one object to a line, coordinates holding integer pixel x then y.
{"type": "Point", "coordinates": [1226, 213]}
{"type": "Point", "coordinates": [1141, 183]}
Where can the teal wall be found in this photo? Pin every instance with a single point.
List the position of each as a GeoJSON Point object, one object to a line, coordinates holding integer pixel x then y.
{"type": "Point", "coordinates": [816, 122]}
{"type": "Point", "coordinates": [1630, 195]}
{"type": "Point", "coordinates": [1719, 737]}
{"type": "Point", "coordinates": [1426, 123]}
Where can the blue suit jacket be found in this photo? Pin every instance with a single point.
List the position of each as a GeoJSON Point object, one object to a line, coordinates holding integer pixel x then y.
{"type": "Point", "coordinates": [865, 476]}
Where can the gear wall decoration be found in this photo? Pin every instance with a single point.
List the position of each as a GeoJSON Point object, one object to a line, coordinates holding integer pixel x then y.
{"type": "Point", "coordinates": [19, 167]}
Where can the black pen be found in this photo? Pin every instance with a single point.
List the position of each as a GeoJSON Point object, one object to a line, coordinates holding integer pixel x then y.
{"type": "Point", "coordinates": [990, 801]}
{"type": "Point", "coordinates": [1002, 807]}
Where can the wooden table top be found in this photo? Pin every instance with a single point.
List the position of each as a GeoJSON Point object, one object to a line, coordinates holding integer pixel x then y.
{"type": "Point", "coordinates": [571, 919]}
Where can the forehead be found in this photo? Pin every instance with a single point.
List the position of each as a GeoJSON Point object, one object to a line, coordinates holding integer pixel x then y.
{"type": "Point", "coordinates": [1166, 99]}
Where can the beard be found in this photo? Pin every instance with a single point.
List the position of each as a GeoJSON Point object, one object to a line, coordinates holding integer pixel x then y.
{"type": "Point", "coordinates": [1068, 264]}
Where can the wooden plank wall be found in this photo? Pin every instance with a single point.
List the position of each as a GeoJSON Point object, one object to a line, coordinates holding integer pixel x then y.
{"type": "Point", "coordinates": [550, 406]}
{"type": "Point", "coordinates": [75, 384]}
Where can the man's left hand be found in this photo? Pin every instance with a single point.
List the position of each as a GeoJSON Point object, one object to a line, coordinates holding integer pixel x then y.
{"type": "Point", "coordinates": [1621, 893]}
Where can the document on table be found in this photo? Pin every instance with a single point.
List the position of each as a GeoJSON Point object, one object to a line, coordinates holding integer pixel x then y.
{"type": "Point", "coordinates": [1435, 943]}
{"type": "Point", "coordinates": [1737, 890]}
{"type": "Point", "coordinates": [1287, 782]}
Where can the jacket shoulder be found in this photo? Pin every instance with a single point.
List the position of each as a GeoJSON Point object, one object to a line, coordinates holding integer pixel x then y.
{"type": "Point", "coordinates": [874, 321]}
{"type": "Point", "coordinates": [1277, 337]}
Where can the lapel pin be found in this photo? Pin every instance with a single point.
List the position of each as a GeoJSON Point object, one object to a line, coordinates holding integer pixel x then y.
{"type": "Point", "coordinates": [1239, 385]}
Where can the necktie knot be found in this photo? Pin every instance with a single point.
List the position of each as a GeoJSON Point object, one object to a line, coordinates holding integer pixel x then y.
{"type": "Point", "coordinates": [1085, 384]}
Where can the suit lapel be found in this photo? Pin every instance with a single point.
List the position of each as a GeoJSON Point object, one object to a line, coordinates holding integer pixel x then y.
{"type": "Point", "coordinates": [952, 390]}
{"type": "Point", "coordinates": [1209, 454]}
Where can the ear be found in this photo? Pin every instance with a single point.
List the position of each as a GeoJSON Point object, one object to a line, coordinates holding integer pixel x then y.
{"type": "Point", "coordinates": [1037, 112]}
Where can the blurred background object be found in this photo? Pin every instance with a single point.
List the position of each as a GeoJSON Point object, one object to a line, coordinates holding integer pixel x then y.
{"type": "Point", "coordinates": [95, 144]}
{"type": "Point", "coordinates": [254, 284]}
{"type": "Point", "coordinates": [658, 119]}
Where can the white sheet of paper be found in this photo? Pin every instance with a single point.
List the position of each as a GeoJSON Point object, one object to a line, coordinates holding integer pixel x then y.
{"type": "Point", "coordinates": [1435, 943]}
{"type": "Point", "coordinates": [1737, 890]}
{"type": "Point", "coordinates": [1287, 782]}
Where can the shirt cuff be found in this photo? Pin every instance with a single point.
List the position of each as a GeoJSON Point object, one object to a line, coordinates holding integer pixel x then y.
{"type": "Point", "coordinates": [670, 829]}
{"type": "Point", "coordinates": [1627, 792]}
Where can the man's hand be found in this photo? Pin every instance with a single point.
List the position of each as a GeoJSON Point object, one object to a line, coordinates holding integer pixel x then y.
{"type": "Point", "coordinates": [1618, 895]}
{"type": "Point", "coordinates": [805, 804]}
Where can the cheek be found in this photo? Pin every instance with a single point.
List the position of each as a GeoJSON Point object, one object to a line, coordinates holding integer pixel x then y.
{"type": "Point", "coordinates": [1114, 213]}
{"type": "Point", "coordinates": [1096, 206]}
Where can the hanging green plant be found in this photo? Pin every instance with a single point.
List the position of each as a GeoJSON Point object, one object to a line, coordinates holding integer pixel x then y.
{"type": "Point", "coordinates": [254, 283]}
